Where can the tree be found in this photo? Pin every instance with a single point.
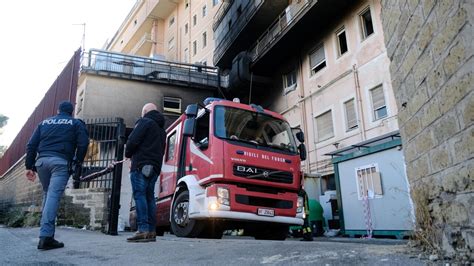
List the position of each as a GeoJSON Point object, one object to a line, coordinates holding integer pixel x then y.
{"type": "Point", "coordinates": [3, 122]}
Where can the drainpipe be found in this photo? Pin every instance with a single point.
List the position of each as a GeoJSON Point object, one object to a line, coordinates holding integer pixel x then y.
{"type": "Point", "coordinates": [359, 103]}
{"type": "Point", "coordinates": [178, 36]}
{"type": "Point", "coordinates": [303, 114]}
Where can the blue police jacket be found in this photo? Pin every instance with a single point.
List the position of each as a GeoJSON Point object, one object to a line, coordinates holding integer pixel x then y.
{"type": "Point", "coordinates": [58, 136]}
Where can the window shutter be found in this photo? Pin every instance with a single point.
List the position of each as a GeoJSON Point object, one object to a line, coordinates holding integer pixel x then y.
{"type": "Point", "coordinates": [317, 57]}
{"type": "Point", "coordinates": [378, 100]}
{"type": "Point", "coordinates": [324, 126]}
{"type": "Point", "coordinates": [351, 117]}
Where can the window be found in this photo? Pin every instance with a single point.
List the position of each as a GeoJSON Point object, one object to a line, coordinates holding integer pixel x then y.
{"type": "Point", "coordinates": [171, 104]}
{"type": "Point", "coordinates": [171, 145]}
{"type": "Point", "coordinates": [341, 41]}
{"type": "Point", "coordinates": [324, 126]}
{"type": "Point", "coordinates": [194, 48]}
{"type": "Point", "coordinates": [186, 28]}
{"type": "Point", "coordinates": [378, 102]}
{"type": "Point", "coordinates": [369, 183]}
{"type": "Point", "coordinates": [195, 20]}
{"type": "Point", "coordinates": [215, 2]}
{"type": "Point", "coordinates": [171, 43]}
{"type": "Point", "coordinates": [201, 137]}
{"type": "Point", "coordinates": [204, 11]}
{"type": "Point", "coordinates": [317, 59]}
{"type": "Point", "coordinates": [289, 82]}
{"type": "Point", "coordinates": [366, 23]}
{"type": "Point", "coordinates": [171, 21]}
{"type": "Point", "coordinates": [186, 54]}
{"type": "Point", "coordinates": [229, 24]}
{"type": "Point", "coordinates": [204, 39]}
{"type": "Point", "coordinates": [351, 117]}
{"type": "Point", "coordinates": [186, 3]}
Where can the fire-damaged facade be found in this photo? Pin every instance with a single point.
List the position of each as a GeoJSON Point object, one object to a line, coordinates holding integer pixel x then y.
{"type": "Point", "coordinates": [321, 64]}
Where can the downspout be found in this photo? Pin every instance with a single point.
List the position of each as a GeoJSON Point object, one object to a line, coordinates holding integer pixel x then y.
{"type": "Point", "coordinates": [359, 103]}
{"type": "Point", "coordinates": [154, 38]}
{"type": "Point", "coordinates": [303, 115]}
{"type": "Point", "coordinates": [189, 33]}
{"type": "Point", "coordinates": [178, 37]}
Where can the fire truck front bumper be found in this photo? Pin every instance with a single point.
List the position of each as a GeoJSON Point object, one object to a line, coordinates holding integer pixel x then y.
{"type": "Point", "coordinates": [231, 202]}
{"type": "Point", "coordinates": [245, 216]}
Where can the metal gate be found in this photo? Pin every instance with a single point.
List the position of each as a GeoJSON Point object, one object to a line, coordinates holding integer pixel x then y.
{"type": "Point", "coordinates": [106, 145]}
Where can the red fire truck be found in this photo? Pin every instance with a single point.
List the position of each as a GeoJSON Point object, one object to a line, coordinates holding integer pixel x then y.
{"type": "Point", "coordinates": [229, 165]}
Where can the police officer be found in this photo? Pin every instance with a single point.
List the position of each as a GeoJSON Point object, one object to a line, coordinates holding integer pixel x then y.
{"type": "Point", "coordinates": [307, 232]}
{"type": "Point", "coordinates": [50, 151]}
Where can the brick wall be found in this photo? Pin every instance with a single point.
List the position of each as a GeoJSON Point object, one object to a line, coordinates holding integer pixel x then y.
{"type": "Point", "coordinates": [430, 44]}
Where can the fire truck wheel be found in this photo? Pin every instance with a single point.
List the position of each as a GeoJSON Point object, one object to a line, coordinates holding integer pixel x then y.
{"type": "Point", "coordinates": [272, 232]}
{"type": "Point", "coordinates": [181, 225]}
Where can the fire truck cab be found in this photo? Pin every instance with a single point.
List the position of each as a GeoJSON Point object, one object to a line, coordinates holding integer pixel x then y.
{"type": "Point", "coordinates": [229, 165]}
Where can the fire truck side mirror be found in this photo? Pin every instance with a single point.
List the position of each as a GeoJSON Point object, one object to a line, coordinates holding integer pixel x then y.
{"type": "Point", "coordinates": [300, 136]}
{"type": "Point", "coordinates": [302, 150]}
{"type": "Point", "coordinates": [189, 127]}
{"type": "Point", "coordinates": [191, 110]}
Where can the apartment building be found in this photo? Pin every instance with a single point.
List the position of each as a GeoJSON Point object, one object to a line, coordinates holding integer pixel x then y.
{"type": "Point", "coordinates": [178, 31]}
{"type": "Point", "coordinates": [322, 64]}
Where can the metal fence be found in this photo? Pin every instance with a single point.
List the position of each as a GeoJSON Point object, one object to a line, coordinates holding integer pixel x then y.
{"type": "Point", "coordinates": [63, 88]}
{"type": "Point", "coordinates": [105, 146]}
{"type": "Point", "coordinates": [150, 69]}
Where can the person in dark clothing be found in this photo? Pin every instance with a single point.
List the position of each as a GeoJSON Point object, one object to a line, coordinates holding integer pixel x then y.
{"type": "Point", "coordinates": [307, 232]}
{"type": "Point", "coordinates": [145, 146]}
{"type": "Point", "coordinates": [49, 152]}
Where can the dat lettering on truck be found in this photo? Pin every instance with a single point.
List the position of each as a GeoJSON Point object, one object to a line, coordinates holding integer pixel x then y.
{"type": "Point", "coordinates": [229, 165]}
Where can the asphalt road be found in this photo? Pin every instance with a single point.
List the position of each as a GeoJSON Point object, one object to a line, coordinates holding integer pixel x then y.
{"type": "Point", "coordinates": [18, 247]}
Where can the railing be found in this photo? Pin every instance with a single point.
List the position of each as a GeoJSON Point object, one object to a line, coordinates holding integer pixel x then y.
{"type": "Point", "coordinates": [144, 39]}
{"type": "Point", "coordinates": [221, 13]}
{"type": "Point", "coordinates": [284, 21]}
{"type": "Point", "coordinates": [138, 67]}
{"type": "Point", "coordinates": [247, 12]}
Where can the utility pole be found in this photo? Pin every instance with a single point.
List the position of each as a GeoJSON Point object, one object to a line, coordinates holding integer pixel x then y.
{"type": "Point", "coordinates": [83, 35]}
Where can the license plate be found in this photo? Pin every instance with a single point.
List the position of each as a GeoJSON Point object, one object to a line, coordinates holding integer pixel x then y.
{"type": "Point", "coordinates": [266, 212]}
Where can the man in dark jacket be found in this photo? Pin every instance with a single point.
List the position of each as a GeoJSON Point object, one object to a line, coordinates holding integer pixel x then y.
{"type": "Point", "coordinates": [145, 147]}
{"type": "Point", "coordinates": [51, 149]}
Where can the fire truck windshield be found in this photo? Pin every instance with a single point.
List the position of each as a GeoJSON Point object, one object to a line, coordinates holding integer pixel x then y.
{"type": "Point", "coordinates": [254, 128]}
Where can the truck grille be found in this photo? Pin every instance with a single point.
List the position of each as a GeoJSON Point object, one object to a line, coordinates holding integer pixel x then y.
{"type": "Point", "coordinates": [263, 202]}
{"type": "Point", "coordinates": [263, 174]}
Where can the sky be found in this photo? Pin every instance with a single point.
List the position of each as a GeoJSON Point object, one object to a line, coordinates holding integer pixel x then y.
{"type": "Point", "coordinates": [37, 40]}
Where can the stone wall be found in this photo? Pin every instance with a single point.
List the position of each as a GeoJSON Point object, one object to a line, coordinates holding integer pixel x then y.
{"type": "Point", "coordinates": [78, 207]}
{"type": "Point", "coordinates": [16, 190]}
{"type": "Point", "coordinates": [430, 44]}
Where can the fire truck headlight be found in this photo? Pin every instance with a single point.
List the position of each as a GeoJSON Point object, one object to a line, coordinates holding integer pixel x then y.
{"type": "Point", "coordinates": [299, 204]}
{"type": "Point", "coordinates": [213, 206]}
{"type": "Point", "coordinates": [223, 196]}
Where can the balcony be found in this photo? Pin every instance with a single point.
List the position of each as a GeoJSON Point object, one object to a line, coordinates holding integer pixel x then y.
{"type": "Point", "coordinates": [238, 23]}
{"type": "Point", "coordinates": [303, 22]}
{"type": "Point", "coordinates": [284, 21]}
{"type": "Point", "coordinates": [143, 46]}
{"type": "Point", "coordinates": [148, 69]}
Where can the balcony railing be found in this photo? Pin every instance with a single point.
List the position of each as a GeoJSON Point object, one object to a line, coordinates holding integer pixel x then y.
{"type": "Point", "coordinates": [221, 13]}
{"type": "Point", "coordinates": [285, 20]}
{"type": "Point", "coordinates": [247, 12]}
{"type": "Point", "coordinates": [144, 68]}
{"type": "Point", "coordinates": [144, 39]}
